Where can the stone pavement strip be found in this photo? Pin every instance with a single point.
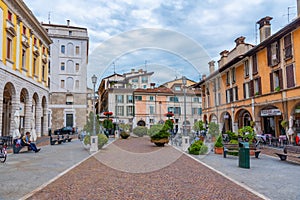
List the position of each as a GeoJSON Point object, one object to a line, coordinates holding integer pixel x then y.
{"type": "Point", "coordinates": [24, 172]}
{"type": "Point", "coordinates": [136, 169]}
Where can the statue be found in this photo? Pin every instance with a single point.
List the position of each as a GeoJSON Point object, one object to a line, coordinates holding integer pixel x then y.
{"type": "Point", "coordinates": [33, 133]}
{"type": "Point", "coordinates": [16, 133]}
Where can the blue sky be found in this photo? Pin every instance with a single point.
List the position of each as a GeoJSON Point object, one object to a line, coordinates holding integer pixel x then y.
{"type": "Point", "coordinates": [119, 29]}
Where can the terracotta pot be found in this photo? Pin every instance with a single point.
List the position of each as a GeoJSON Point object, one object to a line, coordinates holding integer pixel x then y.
{"type": "Point", "coordinates": [160, 142]}
{"type": "Point", "coordinates": [218, 150]}
{"type": "Point", "coordinates": [252, 152]}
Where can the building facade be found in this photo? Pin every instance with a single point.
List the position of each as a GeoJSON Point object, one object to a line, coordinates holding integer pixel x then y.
{"type": "Point", "coordinates": [116, 94]}
{"type": "Point", "coordinates": [67, 78]}
{"type": "Point", "coordinates": [24, 53]}
{"type": "Point", "coordinates": [257, 85]}
{"type": "Point", "coordinates": [152, 104]}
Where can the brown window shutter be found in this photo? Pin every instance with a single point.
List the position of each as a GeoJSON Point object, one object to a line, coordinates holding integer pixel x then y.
{"type": "Point", "coordinates": [251, 88]}
{"type": "Point", "coordinates": [278, 52]}
{"type": "Point", "coordinates": [280, 79]}
{"type": "Point", "coordinates": [231, 94]}
{"type": "Point", "coordinates": [269, 55]}
{"type": "Point", "coordinates": [236, 93]}
{"type": "Point", "coordinates": [290, 76]}
{"type": "Point", "coordinates": [244, 90]}
{"type": "Point", "coordinates": [271, 82]}
{"type": "Point", "coordinates": [254, 64]}
{"type": "Point", "coordinates": [259, 85]}
{"type": "Point", "coordinates": [226, 96]}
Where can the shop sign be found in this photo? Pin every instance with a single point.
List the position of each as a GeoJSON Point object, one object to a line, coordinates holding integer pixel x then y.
{"type": "Point", "coordinates": [270, 112]}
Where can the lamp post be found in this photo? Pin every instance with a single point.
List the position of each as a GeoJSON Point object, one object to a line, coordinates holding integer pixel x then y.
{"type": "Point", "coordinates": [94, 138]}
{"type": "Point", "coordinates": [184, 105]}
{"type": "Point", "coordinates": [185, 137]}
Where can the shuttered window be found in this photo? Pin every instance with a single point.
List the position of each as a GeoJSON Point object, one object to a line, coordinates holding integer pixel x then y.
{"type": "Point", "coordinates": [273, 54]}
{"type": "Point", "coordinates": [254, 64]}
{"type": "Point", "coordinates": [290, 76]}
{"type": "Point", "coordinates": [288, 46]}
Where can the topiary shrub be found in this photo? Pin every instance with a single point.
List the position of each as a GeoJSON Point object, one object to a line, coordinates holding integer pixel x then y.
{"type": "Point", "coordinates": [219, 143]}
{"type": "Point", "coordinates": [203, 149]}
{"type": "Point", "coordinates": [154, 129]}
{"type": "Point", "coordinates": [140, 131]}
{"type": "Point", "coordinates": [195, 147]}
{"type": "Point", "coordinates": [102, 140]}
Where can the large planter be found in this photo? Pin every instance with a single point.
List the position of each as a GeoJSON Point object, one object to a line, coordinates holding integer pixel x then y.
{"type": "Point", "coordinates": [218, 150]}
{"type": "Point", "coordinates": [160, 142]}
{"type": "Point", "coordinates": [124, 135]}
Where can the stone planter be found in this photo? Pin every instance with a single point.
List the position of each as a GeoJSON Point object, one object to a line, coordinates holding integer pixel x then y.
{"type": "Point", "coordinates": [160, 142]}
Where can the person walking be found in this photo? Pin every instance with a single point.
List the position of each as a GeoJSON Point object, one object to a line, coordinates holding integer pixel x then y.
{"type": "Point", "coordinates": [26, 142]}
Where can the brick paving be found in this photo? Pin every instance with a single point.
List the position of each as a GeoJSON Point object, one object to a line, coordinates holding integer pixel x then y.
{"type": "Point", "coordinates": [180, 177]}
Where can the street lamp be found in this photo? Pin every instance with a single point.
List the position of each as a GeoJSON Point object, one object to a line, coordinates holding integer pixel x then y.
{"type": "Point", "coordinates": [94, 138]}
{"type": "Point", "coordinates": [184, 107]}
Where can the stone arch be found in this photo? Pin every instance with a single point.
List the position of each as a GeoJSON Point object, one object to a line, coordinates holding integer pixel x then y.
{"type": "Point", "coordinates": [70, 67]}
{"type": "Point", "coordinates": [271, 117]}
{"type": "Point", "coordinates": [213, 118]}
{"type": "Point", "coordinates": [9, 95]}
{"type": "Point", "coordinates": [226, 121]}
{"type": "Point", "coordinates": [243, 118]}
{"type": "Point", "coordinates": [141, 123]}
{"type": "Point", "coordinates": [70, 49]}
{"type": "Point", "coordinates": [44, 117]}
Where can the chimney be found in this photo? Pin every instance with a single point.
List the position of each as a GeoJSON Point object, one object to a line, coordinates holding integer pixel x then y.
{"type": "Point", "coordinates": [264, 27]}
{"type": "Point", "coordinates": [239, 40]}
{"type": "Point", "coordinates": [298, 8]}
{"type": "Point", "coordinates": [223, 59]}
{"type": "Point", "coordinates": [68, 22]}
{"type": "Point", "coordinates": [152, 85]}
{"type": "Point", "coordinates": [211, 65]}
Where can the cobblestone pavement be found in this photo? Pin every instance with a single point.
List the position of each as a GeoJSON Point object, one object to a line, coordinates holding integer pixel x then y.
{"type": "Point", "coordinates": [127, 169]}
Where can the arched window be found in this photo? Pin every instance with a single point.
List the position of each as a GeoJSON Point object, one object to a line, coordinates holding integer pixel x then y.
{"type": "Point", "coordinates": [70, 67]}
{"type": "Point", "coordinates": [70, 83]}
{"type": "Point", "coordinates": [70, 49]}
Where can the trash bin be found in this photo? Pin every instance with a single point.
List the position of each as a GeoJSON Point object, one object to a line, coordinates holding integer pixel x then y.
{"type": "Point", "coordinates": [244, 155]}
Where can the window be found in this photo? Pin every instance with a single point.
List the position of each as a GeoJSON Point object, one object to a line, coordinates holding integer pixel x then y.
{"type": "Point", "coordinates": [135, 80]}
{"type": "Point", "coordinates": [62, 83]}
{"type": "Point", "coordinates": [219, 83]}
{"type": "Point", "coordinates": [194, 111]}
{"type": "Point", "coordinates": [290, 76]}
{"type": "Point", "coordinates": [120, 110]}
{"type": "Point", "coordinates": [196, 99]}
{"type": "Point", "coordinates": [177, 88]}
{"type": "Point", "coordinates": [34, 41]}
{"type": "Point", "coordinates": [77, 67]}
{"type": "Point", "coordinates": [144, 79]}
{"type": "Point", "coordinates": [77, 84]}
{"type": "Point", "coordinates": [257, 86]}
{"type": "Point", "coordinates": [23, 58]}
{"type": "Point", "coordinates": [62, 66]}
{"type": "Point", "coordinates": [175, 110]}
{"type": "Point", "coordinates": [130, 110]}
{"type": "Point", "coordinates": [174, 99]}
{"type": "Point", "coordinates": [246, 87]}
{"type": "Point", "coordinates": [43, 72]}
{"type": "Point", "coordinates": [77, 50]}
{"type": "Point", "coordinates": [70, 99]}
{"type": "Point", "coordinates": [144, 86]}
{"type": "Point", "coordinates": [288, 50]}
{"type": "Point", "coordinates": [276, 80]}
{"type": "Point", "coordinates": [138, 98]}
{"type": "Point", "coordinates": [70, 33]}
{"type": "Point", "coordinates": [254, 64]}
{"type": "Point", "coordinates": [24, 30]}
{"type": "Point", "coordinates": [151, 121]}
{"type": "Point", "coordinates": [151, 110]}
{"type": "Point", "coordinates": [129, 99]}
{"type": "Point", "coordinates": [119, 98]}
{"type": "Point", "coordinates": [34, 71]}
{"type": "Point", "coordinates": [63, 49]}
{"type": "Point", "coordinates": [44, 51]}
{"type": "Point", "coordinates": [233, 75]}
{"type": "Point", "coordinates": [273, 54]}
{"type": "Point", "coordinates": [227, 78]}
{"type": "Point", "coordinates": [9, 16]}
{"type": "Point", "coordinates": [9, 48]}
{"type": "Point", "coordinates": [151, 98]}
{"type": "Point", "coordinates": [246, 68]}
{"type": "Point", "coordinates": [235, 93]}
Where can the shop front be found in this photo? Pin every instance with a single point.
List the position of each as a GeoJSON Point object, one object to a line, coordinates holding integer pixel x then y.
{"type": "Point", "coordinates": [270, 119]}
{"type": "Point", "coordinates": [296, 125]}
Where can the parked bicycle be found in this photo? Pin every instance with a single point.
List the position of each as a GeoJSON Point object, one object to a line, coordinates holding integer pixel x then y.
{"type": "Point", "coordinates": [3, 152]}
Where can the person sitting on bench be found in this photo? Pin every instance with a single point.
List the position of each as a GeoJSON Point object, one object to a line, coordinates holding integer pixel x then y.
{"type": "Point", "coordinates": [26, 142]}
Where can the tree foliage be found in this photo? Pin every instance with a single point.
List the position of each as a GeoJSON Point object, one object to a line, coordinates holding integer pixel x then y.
{"type": "Point", "coordinates": [88, 127]}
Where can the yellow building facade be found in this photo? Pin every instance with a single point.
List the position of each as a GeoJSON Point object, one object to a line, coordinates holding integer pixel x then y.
{"type": "Point", "coordinates": [257, 85]}
{"type": "Point", "coordinates": [24, 66]}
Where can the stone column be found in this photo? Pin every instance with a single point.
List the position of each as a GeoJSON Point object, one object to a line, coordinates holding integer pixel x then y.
{"type": "Point", "coordinates": [28, 115]}
{"type": "Point", "coordinates": [45, 122]}
{"type": "Point", "coordinates": [1, 111]}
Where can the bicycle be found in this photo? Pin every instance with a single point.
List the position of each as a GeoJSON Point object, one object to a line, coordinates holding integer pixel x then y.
{"type": "Point", "coordinates": [3, 151]}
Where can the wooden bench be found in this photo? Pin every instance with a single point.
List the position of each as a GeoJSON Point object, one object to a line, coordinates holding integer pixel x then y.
{"type": "Point", "coordinates": [234, 148]}
{"type": "Point", "coordinates": [289, 150]}
{"type": "Point", "coordinates": [60, 139]}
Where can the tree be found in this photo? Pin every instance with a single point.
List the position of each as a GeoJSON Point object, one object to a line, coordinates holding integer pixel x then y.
{"type": "Point", "coordinates": [88, 127]}
{"type": "Point", "coordinates": [199, 126]}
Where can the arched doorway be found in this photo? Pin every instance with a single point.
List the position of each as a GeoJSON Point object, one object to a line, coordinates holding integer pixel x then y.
{"type": "Point", "coordinates": [8, 95]}
{"type": "Point", "coordinates": [213, 118]}
{"type": "Point", "coordinates": [24, 96]}
{"type": "Point", "coordinates": [244, 118]}
{"type": "Point", "coordinates": [44, 122]}
{"type": "Point", "coordinates": [141, 123]}
{"type": "Point", "coordinates": [226, 121]}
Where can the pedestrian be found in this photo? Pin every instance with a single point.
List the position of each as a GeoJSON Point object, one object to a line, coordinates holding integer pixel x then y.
{"type": "Point", "coordinates": [26, 142]}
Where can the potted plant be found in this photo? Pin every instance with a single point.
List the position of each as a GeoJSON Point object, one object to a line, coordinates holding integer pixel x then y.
{"type": "Point", "coordinates": [162, 136]}
{"type": "Point", "coordinates": [277, 89]}
{"type": "Point", "coordinates": [124, 134]}
{"type": "Point", "coordinates": [219, 145]}
{"type": "Point", "coordinates": [199, 127]}
{"type": "Point", "coordinates": [102, 140]}
{"type": "Point", "coordinates": [213, 130]}
{"type": "Point", "coordinates": [197, 148]}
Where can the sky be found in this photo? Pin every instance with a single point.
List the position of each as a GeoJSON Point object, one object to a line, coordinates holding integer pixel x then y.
{"type": "Point", "coordinates": [172, 38]}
